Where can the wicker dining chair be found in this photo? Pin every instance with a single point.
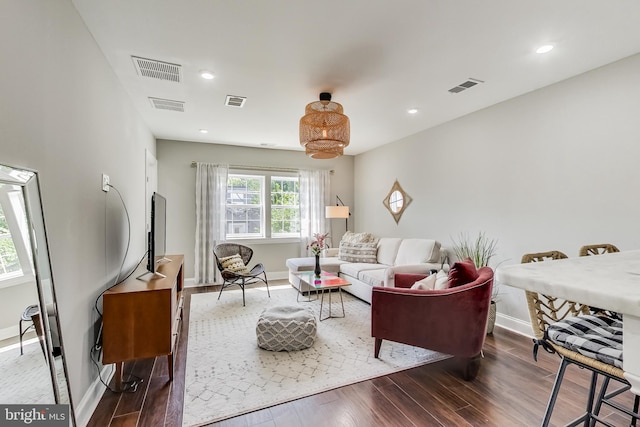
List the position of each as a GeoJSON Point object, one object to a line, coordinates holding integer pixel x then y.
{"type": "Point", "coordinates": [545, 310]}
{"type": "Point", "coordinates": [604, 248]}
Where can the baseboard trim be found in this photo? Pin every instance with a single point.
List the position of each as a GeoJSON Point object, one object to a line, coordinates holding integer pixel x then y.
{"type": "Point", "coordinates": [84, 410]}
{"type": "Point", "coordinates": [513, 324]}
{"type": "Point", "coordinates": [271, 275]}
{"type": "Point", "coordinates": [10, 332]}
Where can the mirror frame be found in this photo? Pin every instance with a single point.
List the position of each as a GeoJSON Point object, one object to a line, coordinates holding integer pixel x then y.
{"type": "Point", "coordinates": [406, 200]}
{"type": "Point", "coordinates": [39, 246]}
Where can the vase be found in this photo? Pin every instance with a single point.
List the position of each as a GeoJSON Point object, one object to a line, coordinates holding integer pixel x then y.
{"type": "Point", "coordinates": [317, 270]}
{"type": "Point", "coordinates": [491, 321]}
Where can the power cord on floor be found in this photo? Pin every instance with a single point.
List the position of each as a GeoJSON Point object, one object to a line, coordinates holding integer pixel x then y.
{"type": "Point", "coordinates": [130, 386]}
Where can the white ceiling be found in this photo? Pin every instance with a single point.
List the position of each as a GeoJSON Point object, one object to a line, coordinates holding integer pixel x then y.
{"type": "Point", "coordinates": [377, 57]}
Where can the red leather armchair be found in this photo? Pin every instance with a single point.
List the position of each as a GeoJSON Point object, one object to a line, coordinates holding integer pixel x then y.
{"type": "Point", "coordinates": [451, 321]}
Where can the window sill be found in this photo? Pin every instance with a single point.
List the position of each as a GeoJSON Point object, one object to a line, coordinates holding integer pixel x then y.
{"type": "Point", "coordinates": [15, 281]}
{"type": "Point", "coordinates": [267, 241]}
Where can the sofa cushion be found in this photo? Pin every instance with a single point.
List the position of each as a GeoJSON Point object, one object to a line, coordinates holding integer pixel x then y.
{"type": "Point", "coordinates": [372, 277]}
{"type": "Point", "coordinates": [331, 265]}
{"type": "Point", "coordinates": [462, 272]}
{"type": "Point", "coordinates": [353, 269]}
{"type": "Point", "coordinates": [417, 251]}
{"type": "Point", "coordinates": [388, 249]}
{"type": "Point", "coordinates": [358, 252]}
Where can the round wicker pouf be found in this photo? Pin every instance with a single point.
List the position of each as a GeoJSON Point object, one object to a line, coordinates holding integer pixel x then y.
{"type": "Point", "coordinates": [286, 328]}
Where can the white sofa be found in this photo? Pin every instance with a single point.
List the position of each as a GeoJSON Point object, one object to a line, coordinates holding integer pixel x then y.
{"type": "Point", "coordinates": [393, 255]}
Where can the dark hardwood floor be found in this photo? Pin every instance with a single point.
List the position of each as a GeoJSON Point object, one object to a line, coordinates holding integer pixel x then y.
{"type": "Point", "coordinates": [510, 390]}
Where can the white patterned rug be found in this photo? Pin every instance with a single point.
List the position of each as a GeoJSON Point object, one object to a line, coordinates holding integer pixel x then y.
{"type": "Point", "coordinates": [25, 379]}
{"type": "Point", "coordinates": [227, 374]}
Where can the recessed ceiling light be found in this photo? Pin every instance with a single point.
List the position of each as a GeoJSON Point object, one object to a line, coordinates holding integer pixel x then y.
{"type": "Point", "coordinates": [204, 131]}
{"type": "Point", "coordinates": [544, 49]}
{"type": "Point", "coordinates": [206, 75]}
{"type": "Point", "coordinates": [412, 110]}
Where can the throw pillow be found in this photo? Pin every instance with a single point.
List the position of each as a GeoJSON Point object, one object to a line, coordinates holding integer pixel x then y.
{"type": "Point", "coordinates": [234, 264]}
{"type": "Point", "coordinates": [358, 252]}
{"type": "Point", "coordinates": [462, 272]}
{"type": "Point", "coordinates": [442, 280]}
{"type": "Point", "coordinates": [428, 282]}
{"type": "Point", "coordinates": [351, 237]}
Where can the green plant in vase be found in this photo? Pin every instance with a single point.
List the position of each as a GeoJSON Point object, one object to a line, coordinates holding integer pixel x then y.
{"type": "Point", "coordinates": [480, 249]}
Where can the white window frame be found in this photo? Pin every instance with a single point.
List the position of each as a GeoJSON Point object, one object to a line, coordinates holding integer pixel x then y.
{"type": "Point", "coordinates": [267, 236]}
{"type": "Point", "coordinates": [13, 208]}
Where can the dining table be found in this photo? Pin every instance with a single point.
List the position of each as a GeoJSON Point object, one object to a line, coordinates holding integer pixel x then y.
{"type": "Point", "coordinates": [609, 281]}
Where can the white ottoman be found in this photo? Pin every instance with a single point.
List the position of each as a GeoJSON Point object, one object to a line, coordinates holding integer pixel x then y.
{"type": "Point", "coordinates": [286, 328]}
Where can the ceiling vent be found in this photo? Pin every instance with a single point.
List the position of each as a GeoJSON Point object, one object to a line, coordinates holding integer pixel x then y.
{"type": "Point", "coordinates": [235, 101]}
{"type": "Point", "coordinates": [465, 85]}
{"type": "Point", "coordinates": [157, 69]}
{"type": "Point", "coordinates": [167, 104]}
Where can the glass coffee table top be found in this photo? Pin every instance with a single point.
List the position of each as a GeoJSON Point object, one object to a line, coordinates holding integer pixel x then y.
{"type": "Point", "coordinates": [326, 281]}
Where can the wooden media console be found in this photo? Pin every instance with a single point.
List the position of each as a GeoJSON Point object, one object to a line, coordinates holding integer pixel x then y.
{"type": "Point", "coordinates": [141, 319]}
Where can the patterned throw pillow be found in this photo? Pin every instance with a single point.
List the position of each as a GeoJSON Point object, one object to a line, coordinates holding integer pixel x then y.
{"type": "Point", "coordinates": [234, 264]}
{"type": "Point", "coordinates": [358, 252]}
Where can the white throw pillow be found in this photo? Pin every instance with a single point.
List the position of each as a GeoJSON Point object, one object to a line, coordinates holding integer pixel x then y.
{"type": "Point", "coordinates": [428, 282]}
{"type": "Point", "coordinates": [442, 278]}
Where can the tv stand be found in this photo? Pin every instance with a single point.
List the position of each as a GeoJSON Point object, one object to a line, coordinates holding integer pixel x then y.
{"type": "Point", "coordinates": [147, 275]}
{"type": "Point", "coordinates": [142, 318]}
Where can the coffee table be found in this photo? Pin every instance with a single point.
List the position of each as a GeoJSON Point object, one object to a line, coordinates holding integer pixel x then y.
{"type": "Point", "coordinates": [326, 282]}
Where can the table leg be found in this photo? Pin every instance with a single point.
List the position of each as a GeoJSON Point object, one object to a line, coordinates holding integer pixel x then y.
{"type": "Point", "coordinates": [118, 375]}
{"type": "Point", "coordinates": [330, 315]}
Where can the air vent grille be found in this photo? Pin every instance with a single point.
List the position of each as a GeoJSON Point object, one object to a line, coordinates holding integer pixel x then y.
{"type": "Point", "coordinates": [158, 69]}
{"type": "Point", "coordinates": [235, 101]}
{"type": "Point", "coordinates": [167, 104]}
{"type": "Point", "coordinates": [465, 85]}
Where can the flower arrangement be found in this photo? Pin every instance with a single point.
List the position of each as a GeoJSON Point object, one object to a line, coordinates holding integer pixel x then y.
{"type": "Point", "coordinates": [318, 244]}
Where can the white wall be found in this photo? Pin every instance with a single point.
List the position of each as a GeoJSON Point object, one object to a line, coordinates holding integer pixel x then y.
{"type": "Point", "coordinates": [177, 182]}
{"type": "Point", "coordinates": [553, 169]}
{"type": "Point", "coordinates": [64, 114]}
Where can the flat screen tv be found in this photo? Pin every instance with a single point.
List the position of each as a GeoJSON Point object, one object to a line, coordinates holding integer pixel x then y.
{"type": "Point", "coordinates": [157, 238]}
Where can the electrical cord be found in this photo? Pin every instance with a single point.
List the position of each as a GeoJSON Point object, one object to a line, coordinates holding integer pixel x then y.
{"type": "Point", "coordinates": [125, 278]}
{"type": "Point", "coordinates": [129, 386]}
{"type": "Point", "coordinates": [126, 252]}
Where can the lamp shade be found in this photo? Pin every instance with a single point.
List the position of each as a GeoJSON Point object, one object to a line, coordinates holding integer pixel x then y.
{"type": "Point", "coordinates": [324, 129]}
{"type": "Point", "coordinates": [336, 211]}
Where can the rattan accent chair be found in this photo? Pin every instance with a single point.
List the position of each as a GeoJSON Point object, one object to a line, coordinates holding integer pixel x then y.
{"type": "Point", "coordinates": [255, 275]}
{"type": "Point", "coordinates": [604, 248]}
{"type": "Point", "coordinates": [545, 310]}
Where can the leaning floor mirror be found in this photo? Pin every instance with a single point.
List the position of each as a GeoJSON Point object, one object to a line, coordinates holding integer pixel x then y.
{"type": "Point", "coordinates": [31, 352]}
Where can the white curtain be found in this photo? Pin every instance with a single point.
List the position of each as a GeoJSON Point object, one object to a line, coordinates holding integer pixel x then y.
{"type": "Point", "coordinates": [314, 196]}
{"type": "Point", "coordinates": [211, 196]}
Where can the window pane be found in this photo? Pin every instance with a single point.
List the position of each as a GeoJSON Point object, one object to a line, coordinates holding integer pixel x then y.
{"type": "Point", "coordinates": [245, 208]}
{"type": "Point", "coordinates": [285, 206]}
{"type": "Point", "coordinates": [9, 261]}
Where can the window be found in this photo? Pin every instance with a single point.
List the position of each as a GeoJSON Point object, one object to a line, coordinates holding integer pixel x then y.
{"type": "Point", "coordinates": [15, 261]}
{"type": "Point", "coordinates": [253, 213]}
{"type": "Point", "coordinates": [285, 207]}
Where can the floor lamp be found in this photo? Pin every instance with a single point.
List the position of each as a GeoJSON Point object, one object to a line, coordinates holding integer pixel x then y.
{"type": "Point", "coordinates": [338, 211]}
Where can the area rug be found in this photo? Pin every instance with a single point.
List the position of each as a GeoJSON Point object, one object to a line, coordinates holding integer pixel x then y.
{"type": "Point", "coordinates": [24, 379]}
{"type": "Point", "coordinates": [227, 374]}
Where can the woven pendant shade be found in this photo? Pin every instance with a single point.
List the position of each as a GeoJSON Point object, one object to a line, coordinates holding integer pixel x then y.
{"type": "Point", "coordinates": [324, 129]}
